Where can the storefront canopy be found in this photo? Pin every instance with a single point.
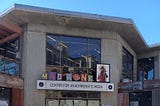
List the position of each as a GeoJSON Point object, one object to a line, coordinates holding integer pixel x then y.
{"type": "Point", "coordinates": [8, 31]}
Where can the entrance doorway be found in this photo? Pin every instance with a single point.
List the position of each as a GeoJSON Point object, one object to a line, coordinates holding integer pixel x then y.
{"type": "Point", "coordinates": [141, 98]}
{"type": "Point", "coordinates": [5, 96]}
{"type": "Point", "coordinates": [72, 98]}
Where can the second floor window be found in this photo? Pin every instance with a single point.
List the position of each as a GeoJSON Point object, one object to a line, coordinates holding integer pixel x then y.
{"type": "Point", "coordinates": [68, 55]}
{"type": "Point", "coordinates": [145, 69]}
{"type": "Point", "coordinates": [10, 57]}
{"type": "Point", "coordinates": [127, 65]}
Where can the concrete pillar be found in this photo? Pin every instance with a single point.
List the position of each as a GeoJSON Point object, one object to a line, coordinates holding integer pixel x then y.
{"type": "Point", "coordinates": [156, 67]}
{"type": "Point", "coordinates": [155, 97]}
{"type": "Point", "coordinates": [110, 55]}
{"type": "Point", "coordinates": [33, 65]}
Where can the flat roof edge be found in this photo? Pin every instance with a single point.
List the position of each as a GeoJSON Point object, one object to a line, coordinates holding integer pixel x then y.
{"type": "Point", "coordinates": [140, 35]}
{"type": "Point", "coordinates": [8, 10]}
{"type": "Point", "coordinates": [65, 13]}
{"type": "Point", "coordinates": [154, 45]}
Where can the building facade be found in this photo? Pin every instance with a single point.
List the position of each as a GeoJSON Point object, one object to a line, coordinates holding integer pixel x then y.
{"type": "Point", "coordinates": [71, 59]}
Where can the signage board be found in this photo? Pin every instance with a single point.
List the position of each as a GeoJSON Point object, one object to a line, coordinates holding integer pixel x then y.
{"type": "Point", "coordinates": [74, 85]}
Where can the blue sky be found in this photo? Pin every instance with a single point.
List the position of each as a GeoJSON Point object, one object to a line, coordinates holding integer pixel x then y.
{"type": "Point", "coordinates": [144, 13]}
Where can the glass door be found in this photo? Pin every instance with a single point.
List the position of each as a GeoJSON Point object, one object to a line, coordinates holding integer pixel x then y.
{"type": "Point", "coordinates": [5, 96]}
{"type": "Point", "coordinates": [141, 98]}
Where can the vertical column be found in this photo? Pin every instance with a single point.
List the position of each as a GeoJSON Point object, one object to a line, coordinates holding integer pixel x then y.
{"type": "Point", "coordinates": [156, 67]}
{"type": "Point", "coordinates": [155, 97]}
{"type": "Point", "coordinates": [17, 97]}
{"type": "Point", "coordinates": [109, 55]}
{"type": "Point", "coordinates": [33, 64]}
{"type": "Point", "coordinates": [123, 99]}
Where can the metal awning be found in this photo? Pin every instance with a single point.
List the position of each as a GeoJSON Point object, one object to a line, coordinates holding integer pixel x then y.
{"type": "Point", "coordinates": [8, 31]}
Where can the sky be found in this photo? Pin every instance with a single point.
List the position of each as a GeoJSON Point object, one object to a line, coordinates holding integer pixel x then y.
{"type": "Point", "coordinates": [144, 13]}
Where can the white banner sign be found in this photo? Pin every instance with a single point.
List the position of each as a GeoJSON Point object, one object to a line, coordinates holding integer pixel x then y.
{"type": "Point", "coordinates": [73, 85]}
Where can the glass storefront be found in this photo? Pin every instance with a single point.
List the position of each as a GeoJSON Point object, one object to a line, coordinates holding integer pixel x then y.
{"type": "Point", "coordinates": [5, 96]}
{"type": "Point", "coordinates": [72, 55]}
{"type": "Point", "coordinates": [72, 59]}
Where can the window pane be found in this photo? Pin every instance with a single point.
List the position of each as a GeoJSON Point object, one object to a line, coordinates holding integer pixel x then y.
{"type": "Point", "coordinates": [93, 103]}
{"type": "Point", "coordinates": [94, 41]}
{"type": "Point", "coordinates": [74, 55]}
{"type": "Point", "coordinates": [80, 103]}
{"type": "Point", "coordinates": [50, 102]}
{"type": "Point", "coordinates": [146, 69]}
{"type": "Point", "coordinates": [93, 58]}
{"type": "Point", "coordinates": [77, 55]}
{"type": "Point", "coordinates": [10, 57]}
{"type": "Point", "coordinates": [53, 50]}
{"type": "Point", "coordinates": [93, 95]}
{"type": "Point", "coordinates": [70, 39]}
{"type": "Point", "coordinates": [66, 103]}
{"type": "Point", "coordinates": [127, 65]}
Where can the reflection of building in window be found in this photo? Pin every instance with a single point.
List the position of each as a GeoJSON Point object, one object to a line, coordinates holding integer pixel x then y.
{"type": "Point", "coordinates": [145, 69]}
{"type": "Point", "coordinates": [80, 54]}
{"type": "Point", "coordinates": [10, 57]}
{"type": "Point", "coordinates": [127, 65]}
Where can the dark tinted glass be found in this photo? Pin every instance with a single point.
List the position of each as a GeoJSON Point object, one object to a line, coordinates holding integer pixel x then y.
{"type": "Point", "coordinates": [145, 68]}
{"type": "Point", "coordinates": [73, 54]}
{"type": "Point", "coordinates": [127, 65]}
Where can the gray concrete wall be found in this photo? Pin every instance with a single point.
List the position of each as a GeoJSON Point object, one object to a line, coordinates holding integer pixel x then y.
{"type": "Point", "coordinates": [157, 67]}
{"type": "Point", "coordinates": [155, 97]}
{"type": "Point", "coordinates": [34, 58]}
{"type": "Point", "coordinates": [111, 53]}
{"type": "Point", "coordinates": [33, 64]}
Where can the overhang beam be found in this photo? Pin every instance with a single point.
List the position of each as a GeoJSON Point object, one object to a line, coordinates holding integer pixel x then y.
{"type": "Point", "coordinates": [8, 31]}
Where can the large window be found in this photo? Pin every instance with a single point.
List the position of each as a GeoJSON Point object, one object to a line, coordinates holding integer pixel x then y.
{"type": "Point", "coordinates": [145, 69]}
{"type": "Point", "coordinates": [127, 65]}
{"type": "Point", "coordinates": [10, 57]}
{"type": "Point", "coordinates": [72, 58]}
